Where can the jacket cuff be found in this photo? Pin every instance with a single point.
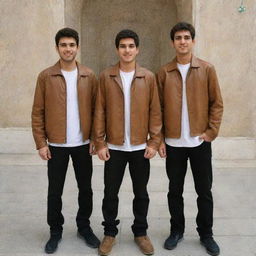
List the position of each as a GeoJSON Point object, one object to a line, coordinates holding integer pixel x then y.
{"type": "Point", "coordinates": [153, 145]}
{"type": "Point", "coordinates": [211, 133]}
{"type": "Point", "coordinates": [41, 144]}
{"type": "Point", "coordinates": [100, 145]}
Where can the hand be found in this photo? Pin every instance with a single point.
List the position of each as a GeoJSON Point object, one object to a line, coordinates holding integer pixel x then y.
{"type": "Point", "coordinates": [205, 137]}
{"type": "Point", "coordinates": [45, 153]}
{"type": "Point", "coordinates": [103, 154]}
{"type": "Point", "coordinates": [162, 150]}
{"type": "Point", "coordinates": [92, 149]}
{"type": "Point", "coordinates": [149, 153]}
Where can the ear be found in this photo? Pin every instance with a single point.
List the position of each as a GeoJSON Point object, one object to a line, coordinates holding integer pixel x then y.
{"type": "Point", "coordinates": [117, 52]}
{"type": "Point", "coordinates": [137, 50]}
{"type": "Point", "coordinates": [171, 43]}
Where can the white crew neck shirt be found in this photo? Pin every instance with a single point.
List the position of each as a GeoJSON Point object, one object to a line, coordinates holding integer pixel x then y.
{"type": "Point", "coordinates": [127, 78]}
{"type": "Point", "coordinates": [185, 139]}
{"type": "Point", "coordinates": [74, 136]}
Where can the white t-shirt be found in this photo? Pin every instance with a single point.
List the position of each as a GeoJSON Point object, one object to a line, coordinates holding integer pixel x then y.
{"type": "Point", "coordinates": [185, 139]}
{"type": "Point", "coordinates": [74, 136]}
{"type": "Point", "coordinates": [126, 78]}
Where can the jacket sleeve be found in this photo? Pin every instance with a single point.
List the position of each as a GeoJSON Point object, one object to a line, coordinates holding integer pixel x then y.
{"type": "Point", "coordinates": [99, 124]}
{"type": "Point", "coordinates": [155, 117]}
{"type": "Point", "coordinates": [38, 115]}
{"type": "Point", "coordinates": [160, 86]}
{"type": "Point", "coordinates": [95, 84]}
{"type": "Point", "coordinates": [215, 104]}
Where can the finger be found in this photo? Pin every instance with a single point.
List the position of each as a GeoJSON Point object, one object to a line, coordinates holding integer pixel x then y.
{"type": "Point", "coordinates": [107, 156]}
{"type": "Point", "coordinates": [90, 149]}
{"type": "Point", "coordinates": [146, 153]}
{"type": "Point", "coordinates": [164, 152]}
{"type": "Point", "coordinates": [49, 156]}
{"type": "Point", "coordinates": [44, 157]}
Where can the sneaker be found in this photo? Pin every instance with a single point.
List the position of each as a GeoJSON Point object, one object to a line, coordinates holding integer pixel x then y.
{"type": "Point", "coordinates": [144, 244]}
{"type": "Point", "coordinates": [210, 245]}
{"type": "Point", "coordinates": [89, 237]}
{"type": "Point", "coordinates": [172, 241]}
{"type": "Point", "coordinates": [52, 244]}
{"type": "Point", "coordinates": [106, 245]}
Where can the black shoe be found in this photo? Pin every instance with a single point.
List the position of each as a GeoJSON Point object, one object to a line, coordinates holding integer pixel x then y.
{"type": "Point", "coordinates": [90, 239]}
{"type": "Point", "coordinates": [210, 245]}
{"type": "Point", "coordinates": [52, 244]}
{"type": "Point", "coordinates": [172, 241]}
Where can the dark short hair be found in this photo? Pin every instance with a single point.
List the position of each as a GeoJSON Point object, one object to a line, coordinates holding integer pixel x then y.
{"type": "Point", "coordinates": [66, 32]}
{"type": "Point", "coordinates": [127, 33]}
{"type": "Point", "coordinates": [183, 26]}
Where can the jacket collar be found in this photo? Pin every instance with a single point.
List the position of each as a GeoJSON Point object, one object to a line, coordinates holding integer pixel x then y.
{"type": "Point", "coordinates": [173, 64]}
{"type": "Point", "coordinates": [115, 71]}
{"type": "Point", "coordinates": [56, 69]}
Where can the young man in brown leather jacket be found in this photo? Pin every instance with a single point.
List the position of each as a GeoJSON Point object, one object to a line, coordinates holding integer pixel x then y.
{"type": "Point", "coordinates": [127, 126]}
{"type": "Point", "coordinates": [62, 123]}
{"type": "Point", "coordinates": [192, 110]}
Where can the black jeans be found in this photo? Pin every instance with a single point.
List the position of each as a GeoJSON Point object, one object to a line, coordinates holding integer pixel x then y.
{"type": "Point", "coordinates": [113, 176]}
{"type": "Point", "coordinates": [201, 166]}
{"type": "Point", "coordinates": [57, 169]}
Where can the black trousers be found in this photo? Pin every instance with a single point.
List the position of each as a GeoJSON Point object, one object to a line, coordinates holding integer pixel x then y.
{"type": "Point", "coordinates": [113, 176]}
{"type": "Point", "coordinates": [201, 166]}
{"type": "Point", "coordinates": [57, 169]}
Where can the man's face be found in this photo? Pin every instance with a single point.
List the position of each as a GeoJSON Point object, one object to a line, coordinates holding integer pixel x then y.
{"type": "Point", "coordinates": [183, 43]}
{"type": "Point", "coordinates": [127, 50]}
{"type": "Point", "coordinates": [67, 49]}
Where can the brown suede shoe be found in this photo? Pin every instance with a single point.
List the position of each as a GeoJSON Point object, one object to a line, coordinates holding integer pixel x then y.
{"type": "Point", "coordinates": [144, 244]}
{"type": "Point", "coordinates": [106, 245]}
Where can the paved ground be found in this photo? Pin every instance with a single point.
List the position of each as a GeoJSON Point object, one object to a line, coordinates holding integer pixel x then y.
{"type": "Point", "coordinates": [23, 229]}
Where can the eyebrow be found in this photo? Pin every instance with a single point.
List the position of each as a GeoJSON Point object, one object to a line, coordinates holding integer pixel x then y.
{"type": "Point", "coordinates": [132, 44]}
{"type": "Point", "coordinates": [67, 43]}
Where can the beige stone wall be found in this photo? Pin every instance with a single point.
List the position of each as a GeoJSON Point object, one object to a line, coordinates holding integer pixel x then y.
{"type": "Point", "coordinates": [27, 30]}
{"type": "Point", "coordinates": [151, 19]}
{"type": "Point", "coordinates": [227, 38]}
{"type": "Point", "coordinates": [224, 37]}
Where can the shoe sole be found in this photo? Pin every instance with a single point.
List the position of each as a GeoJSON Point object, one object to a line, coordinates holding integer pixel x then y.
{"type": "Point", "coordinates": [103, 254]}
{"type": "Point", "coordinates": [51, 252]}
{"type": "Point", "coordinates": [89, 245]}
{"type": "Point", "coordinates": [145, 253]}
{"type": "Point", "coordinates": [212, 254]}
{"type": "Point", "coordinates": [106, 254]}
{"type": "Point", "coordinates": [173, 247]}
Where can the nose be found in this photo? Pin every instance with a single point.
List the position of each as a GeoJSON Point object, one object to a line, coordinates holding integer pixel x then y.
{"type": "Point", "coordinates": [68, 48]}
{"type": "Point", "coordinates": [182, 40]}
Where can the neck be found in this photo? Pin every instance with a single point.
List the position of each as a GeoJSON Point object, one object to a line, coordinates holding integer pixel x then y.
{"type": "Point", "coordinates": [127, 67]}
{"type": "Point", "coordinates": [67, 66]}
{"type": "Point", "coordinates": [184, 59]}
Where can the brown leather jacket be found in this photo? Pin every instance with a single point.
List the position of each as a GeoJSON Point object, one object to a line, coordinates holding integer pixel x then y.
{"type": "Point", "coordinates": [49, 108]}
{"type": "Point", "coordinates": [205, 106]}
{"type": "Point", "coordinates": [145, 109]}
